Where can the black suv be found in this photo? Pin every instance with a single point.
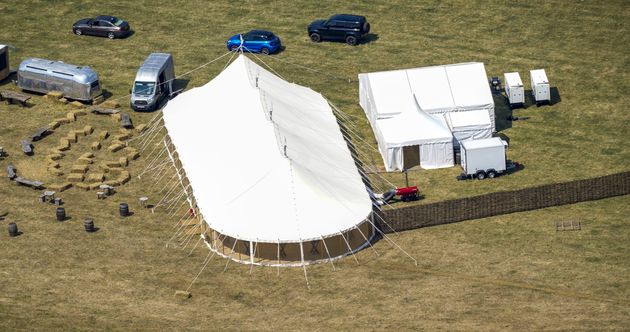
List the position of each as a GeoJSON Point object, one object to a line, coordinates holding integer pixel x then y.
{"type": "Point", "coordinates": [349, 28]}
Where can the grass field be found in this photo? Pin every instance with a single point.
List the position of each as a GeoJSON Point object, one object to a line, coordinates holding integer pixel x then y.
{"type": "Point", "coordinates": [510, 272]}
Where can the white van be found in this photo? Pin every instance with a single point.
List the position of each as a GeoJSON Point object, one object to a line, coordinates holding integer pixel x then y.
{"type": "Point", "coordinates": [153, 83]}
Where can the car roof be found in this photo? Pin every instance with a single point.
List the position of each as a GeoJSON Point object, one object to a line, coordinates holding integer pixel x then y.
{"type": "Point", "coordinates": [108, 18]}
{"type": "Point", "coordinates": [261, 32]}
{"type": "Point", "coordinates": [347, 17]}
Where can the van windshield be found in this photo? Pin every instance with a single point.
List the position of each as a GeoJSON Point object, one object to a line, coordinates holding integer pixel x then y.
{"type": "Point", "coordinates": [143, 88]}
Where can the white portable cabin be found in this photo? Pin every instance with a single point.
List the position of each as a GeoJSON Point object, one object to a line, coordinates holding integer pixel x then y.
{"type": "Point", "coordinates": [540, 85]}
{"type": "Point", "coordinates": [484, 155]}
{"type": "Point", "coordinates": [514, 89]}
{"type": "Point", "coordinates": [5, 68]}
{"type": "Point", "coordinates": [470, 125]}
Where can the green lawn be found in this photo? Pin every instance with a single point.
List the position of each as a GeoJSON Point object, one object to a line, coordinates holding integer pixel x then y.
{"type": "Point", "coordinates": [510, 272]}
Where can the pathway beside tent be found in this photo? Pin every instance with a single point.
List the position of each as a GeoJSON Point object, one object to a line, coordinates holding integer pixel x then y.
{"type": "Point", "coordinates": [264, 163]}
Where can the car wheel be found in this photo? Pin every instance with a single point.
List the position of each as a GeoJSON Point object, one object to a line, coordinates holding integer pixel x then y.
{"type": "Point", "coordinates": [491, 174]}
{"type": "Point", "coordinates": [234, 48]}
{"type": "Point", "coordinates": [264, 51]}
{"type": "Point", "coordinates": [110, 35]}
{"type": "Point", "coordinates": [351, 40]}
{"type": "Point", "coordinates": [315, 37]}
{"type": "Point", "coordinates": [481, 175]}
{"type": "Point", "coordinates": [78, 32]}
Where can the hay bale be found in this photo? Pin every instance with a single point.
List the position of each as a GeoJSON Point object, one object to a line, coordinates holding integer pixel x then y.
{"type": "Point", "coordinates": [122, 137]}
{"type": "Point", "coordinates": [133, 155]}
{"type": "Point", "coordinates": [63, 120]}
{"type": "Point", "coordinates": [65, 142]}
{"type": "Point", "coordinates": [54, 125]}
{"type": "Point", "coordinates": [116, 117]}
{"type": "Point", "coordinates": [77, 104]}
{"type": "Point", "coordinates": [87, 155]}
{"type": "Point", "coordinates": [54, 95]}
{"type": "Point", "coordinates": [78, 132]}
{"type": "Point", "coordinates": [95, 177]}
{"type": "Point", "coordinates": [84, 161]}
{"type": "Point", "coordinates": [113, 183]}
{"type": "Point", "coordinates": [141, 127]}
{"type": "Point", "coordinates": [82, 185]}
{"type": "Point", "coordinates": [111, 104]}
{"type": "Point", "coordinates": [94, 186]}
{"type": "Point", "coordinates": [55, 156]}
{"type": "Point", "coordinates": [124, 177]}
{"type": "Point", "coordinates": [64, 101]}
{"type": "Point", "coordinates": [71, 117]}
{"type": "Point", "coordinates": [115, 147]}
{"type": "Point", "coordinates": [88, 130]}
{"type": "Point", "coordinates": [123, 161]}
{"type": "Point", "coordinates": [98, 99]}
{"type": "Point", "coordinates": [116, 170]}
{"type": "Point", "coordinates": [55, 171]}
{"type": "Point", "coordinates": [95, 146]}
{"type": "Point", "coordinates": [63, 147]}
{"type": "Point", "coordinates": [79, 169]}
{"type": "Point", "coordinates": [112, 164]}
{"type": "Point", "coordinates": [103, 134]}
{"type": "Point", "coordinates": [182, 294]}
{"type": "Point", "coordinates": [54, 164]}
{"type": "Point", "coordinates": [75, 177]}
{"type": "Point", "coordinates": [72, 137]}
{"type": "Point", "coordinates": [60, 186]}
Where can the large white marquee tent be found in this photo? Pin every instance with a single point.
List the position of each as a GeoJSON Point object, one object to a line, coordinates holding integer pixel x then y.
{"type": "Point", "coordinates": [268, 169]}
{"type": "Point", "coordinates": [438, 90]}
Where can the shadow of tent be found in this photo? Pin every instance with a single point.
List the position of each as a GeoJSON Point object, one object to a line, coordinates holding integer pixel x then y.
{"type": "Point", "coordinates": [502, 112]}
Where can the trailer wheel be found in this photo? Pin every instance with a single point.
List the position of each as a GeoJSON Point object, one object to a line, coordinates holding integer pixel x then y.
{"type": "Point", "coordinates": [492, 174]}
{"type": "Point", "coordinates": [481, 175]}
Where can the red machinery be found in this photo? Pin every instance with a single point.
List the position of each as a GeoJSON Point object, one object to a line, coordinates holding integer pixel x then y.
{"type": "Point", "coordinates": [407, 193]}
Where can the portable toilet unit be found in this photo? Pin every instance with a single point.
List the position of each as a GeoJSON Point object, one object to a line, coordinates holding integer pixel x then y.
{"type": "Point", "coordinates": [514, 89]}
{"type": "Point", "coordinates": [5, 69]}
{"type": "Point", "coordinates": [540, 86]}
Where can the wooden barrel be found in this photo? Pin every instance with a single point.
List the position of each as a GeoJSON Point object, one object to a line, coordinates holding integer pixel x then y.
{"type": "Point", "coordinates": [123, 209]}
{"type": "Point", "coordinates": [13, 230]}
{"type": "Point", "coordinates": [89, 225]}
{"type": "Point", "coordinates": [61, 214]}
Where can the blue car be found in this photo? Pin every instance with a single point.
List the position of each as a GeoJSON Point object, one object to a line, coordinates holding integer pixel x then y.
{"type": "Point", "coordinates": [261, 41]}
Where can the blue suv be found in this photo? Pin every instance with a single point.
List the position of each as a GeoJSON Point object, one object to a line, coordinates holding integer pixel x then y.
{"type": "Point", "coordinates": [261, 41]}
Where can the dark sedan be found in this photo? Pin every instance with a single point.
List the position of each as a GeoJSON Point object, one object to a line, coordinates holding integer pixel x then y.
{"type": "Point", "coordinates": [106, 26]}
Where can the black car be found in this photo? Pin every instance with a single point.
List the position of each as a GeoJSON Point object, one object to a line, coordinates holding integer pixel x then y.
{"type": "Point", "coordinates": [342, 27]}
{"type": "Point", "coordinates": [109, 26]}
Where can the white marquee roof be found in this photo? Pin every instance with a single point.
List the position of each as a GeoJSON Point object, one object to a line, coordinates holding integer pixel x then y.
{"type": "Point", "coordinates": [234, 157]}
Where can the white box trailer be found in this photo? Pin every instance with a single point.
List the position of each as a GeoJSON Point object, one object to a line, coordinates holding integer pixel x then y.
{"type": "Point", "coordinates": [5, 68]}
{"type": "Point", "coordinates": [540, 86]}
{"type": "Point", "coordinates": [484, 158]}
{"type": "Point", "coordinates": [514, 89]}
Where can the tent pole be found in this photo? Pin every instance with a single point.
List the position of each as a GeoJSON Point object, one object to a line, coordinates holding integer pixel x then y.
{"type": "Point", "coordinates": [368, 241]}
{"type": "Point", "coordinates": [304, 265]}
{"type": "Point", "coordinates": [230, 258]}
{"type": "Point", "coordinates": [328, 253]}
{"type": "Point", "coordinates": [351, 251]}
{"type": "Point", "coordinates": [252, 252]}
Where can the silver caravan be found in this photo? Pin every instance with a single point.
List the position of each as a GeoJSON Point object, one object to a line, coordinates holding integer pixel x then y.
{"type": "Point", "coordinates": [153, 83]}
{"type": "Point", "coordinates": [75, 82]}
{"type": "Point", "coordinates": [5, 69]}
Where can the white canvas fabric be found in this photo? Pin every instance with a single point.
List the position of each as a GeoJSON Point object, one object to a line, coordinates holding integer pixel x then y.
{"type": "Point", "coordinates": [265, 158]}
{"type": "Point", "coordinates": [436, 90]}
{"type": "Point", "coordinates": [471, 125]}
